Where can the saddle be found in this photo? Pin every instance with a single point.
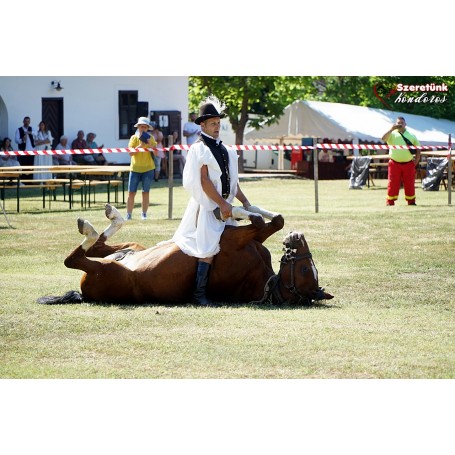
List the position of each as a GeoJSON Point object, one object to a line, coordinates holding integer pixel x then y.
{"type": "Point", "coordinates": [122, 254]}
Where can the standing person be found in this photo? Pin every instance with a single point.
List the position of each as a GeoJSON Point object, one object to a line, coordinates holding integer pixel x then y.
{"type": "Point", "coordinates": [159, 156]}
{"type": "Point", "coordinates": [25, 141]}
{"type": "Point", "coordinates": [402, 163]}
{"type": "Point", "coordinates": [43, 141]}
{"type": "Point", "coordinates": [142, 167]}
{"type": "Point", "coordinates": [8, 160]}
{"type": "Point", "coordinates": [191, 130]}
{"type": "Point", "coordinates": [80, 144]}
{"type": "Point", "coordinates": [177, 154]}
{"type": "Point", "coordinates": [211, 177]}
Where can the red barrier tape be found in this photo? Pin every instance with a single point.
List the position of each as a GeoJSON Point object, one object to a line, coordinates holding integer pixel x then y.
{"type": "Point", "coordinates": [235, 147]}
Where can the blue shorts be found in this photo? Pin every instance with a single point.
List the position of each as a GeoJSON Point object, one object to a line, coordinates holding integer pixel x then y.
{"type": "Point", "coordinates": [144, 177]}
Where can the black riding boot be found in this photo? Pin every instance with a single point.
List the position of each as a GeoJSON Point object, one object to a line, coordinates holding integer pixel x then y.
{"type": "Point", "coordinates": [202, 276]}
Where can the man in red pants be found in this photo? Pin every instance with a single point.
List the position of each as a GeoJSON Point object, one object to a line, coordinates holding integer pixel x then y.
{"type": "Point", "coordinates": [402, 163]}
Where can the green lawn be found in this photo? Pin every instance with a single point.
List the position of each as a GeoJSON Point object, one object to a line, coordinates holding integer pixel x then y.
{"type": "Point", "coordinates": [389, 268]}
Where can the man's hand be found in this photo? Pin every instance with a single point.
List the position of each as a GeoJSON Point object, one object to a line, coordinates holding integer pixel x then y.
{"type": "Point", "coordinates": [226, 210]}
{"type": "Point", "coordinates": [386, 136]}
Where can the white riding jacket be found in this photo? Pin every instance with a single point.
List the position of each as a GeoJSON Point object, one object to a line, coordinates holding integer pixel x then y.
{"type": "Point", "coordinates": [200, 231]}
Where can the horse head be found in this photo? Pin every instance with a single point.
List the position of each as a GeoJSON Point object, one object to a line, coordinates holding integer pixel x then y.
{"type": "Point", "coordinates": [297, 280]}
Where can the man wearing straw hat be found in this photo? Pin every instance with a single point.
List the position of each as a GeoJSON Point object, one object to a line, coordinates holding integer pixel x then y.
{"type": "Point", "coordinates": [211, 177]}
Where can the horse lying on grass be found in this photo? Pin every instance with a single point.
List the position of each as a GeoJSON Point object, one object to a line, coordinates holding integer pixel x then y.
{"type": "Point", "coordinates": [241, 272]}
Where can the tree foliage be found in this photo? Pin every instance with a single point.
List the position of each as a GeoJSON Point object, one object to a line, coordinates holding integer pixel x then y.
{"type": "Point", "coordinates": [250, 99]}
{"type": "Point", "coordinates": [379, 92]}
{"type": "Point", "coordinates": [254, 100]}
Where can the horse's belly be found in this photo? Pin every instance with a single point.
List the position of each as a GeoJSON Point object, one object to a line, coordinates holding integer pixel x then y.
{"type": "Point", "coordinates": [167, 277]}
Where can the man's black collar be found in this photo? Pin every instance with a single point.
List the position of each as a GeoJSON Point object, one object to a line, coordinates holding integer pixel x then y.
{"type": "Point", "coordinates": [209, 140]}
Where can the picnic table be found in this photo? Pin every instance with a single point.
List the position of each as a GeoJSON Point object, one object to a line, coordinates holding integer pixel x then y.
{"type": "Point", "coordinates": [76, 177]}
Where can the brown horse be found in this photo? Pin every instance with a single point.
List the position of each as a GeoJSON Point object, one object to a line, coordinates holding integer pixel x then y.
{"type": "Point", "coordinates": [241, 272]}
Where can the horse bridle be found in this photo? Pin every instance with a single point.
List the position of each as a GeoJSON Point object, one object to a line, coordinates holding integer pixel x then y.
{"type": "Point", "coordinates": [272, 289]}
{"type": "Point", "coordinates": [290, 257]}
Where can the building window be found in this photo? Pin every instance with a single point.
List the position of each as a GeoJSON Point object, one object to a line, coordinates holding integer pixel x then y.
{"type": "Point", "coordinates": [127, 106]}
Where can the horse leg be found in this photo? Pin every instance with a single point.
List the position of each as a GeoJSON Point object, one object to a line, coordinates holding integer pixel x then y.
{"type": "Point", "coordinates": [91, 236]}
{"type": "Point", "coordinates": [86, 256]}
{"type": "Point", "coordinates": [265, 213]}
{"type": "Point", "coordinates": [238, 237]}
{"type": "Point", "coordinates": [255, 214]}
{"type": "Point", "coordinates": [239, 213]}
{"type": "Point", "coordinates": [77, 259]}
{"type": "Point", "coordinates": [100, 249]}
{"type": "Point", "coordinates": [116, 221]}
{"type": "Point", "coordinates": [91, 239]}
{"type": "Point", "coordinates": [270, 228]}
{"type": "Point", "coordinates": [104, 279]}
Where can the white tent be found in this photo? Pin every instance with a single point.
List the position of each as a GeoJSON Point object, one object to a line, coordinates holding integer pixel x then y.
{"type": "Point", "coordinates": [343, 121]}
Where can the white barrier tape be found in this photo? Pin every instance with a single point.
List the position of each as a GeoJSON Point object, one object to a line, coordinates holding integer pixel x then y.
{"type": "Point", "coordinates": [235, 147]}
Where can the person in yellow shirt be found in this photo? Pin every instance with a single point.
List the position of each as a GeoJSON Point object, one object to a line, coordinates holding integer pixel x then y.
{"type": "Point", "coordinates": [142, 167]}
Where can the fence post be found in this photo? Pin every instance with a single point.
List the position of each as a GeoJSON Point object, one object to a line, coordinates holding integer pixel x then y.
{"type": "Point", "coordinates": [449, 172]}
{"type": "Point", "coordinates": [316, 175]}
{"type": "Point", "coordinates": [170, 176]}
{"type": "Point", "coordinates": [280, 158]}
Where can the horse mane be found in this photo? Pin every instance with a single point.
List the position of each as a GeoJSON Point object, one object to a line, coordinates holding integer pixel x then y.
{"type": "Point", "coordinates": [291, 240]}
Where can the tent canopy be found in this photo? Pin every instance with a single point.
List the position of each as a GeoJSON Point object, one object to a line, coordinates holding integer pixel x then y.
{"type": "Point", "coordinates": [339, 121]}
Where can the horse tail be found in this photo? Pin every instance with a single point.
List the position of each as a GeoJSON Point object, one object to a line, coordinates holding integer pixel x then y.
{"type": "Point", "coordinates": [69, 297]}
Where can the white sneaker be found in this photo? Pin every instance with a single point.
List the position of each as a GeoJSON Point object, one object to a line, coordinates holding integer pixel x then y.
{"type": "Point", "coordinates": [128, 217]}
{"type": "Point", "coordinates": [143, 216]}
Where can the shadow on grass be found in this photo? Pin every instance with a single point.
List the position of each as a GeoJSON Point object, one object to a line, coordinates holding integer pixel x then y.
{"type": "Point", "coordinates": [48, 300]}
{"type": "Point", "coordinates": [253, 306]}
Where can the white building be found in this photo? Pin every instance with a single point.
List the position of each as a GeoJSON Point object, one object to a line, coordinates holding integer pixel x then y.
{"type": "Point", "coordinates": [107, 106]}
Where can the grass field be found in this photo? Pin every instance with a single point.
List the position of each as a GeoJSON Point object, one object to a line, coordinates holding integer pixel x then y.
{"type": "Point", "coordinates": [389, 268]}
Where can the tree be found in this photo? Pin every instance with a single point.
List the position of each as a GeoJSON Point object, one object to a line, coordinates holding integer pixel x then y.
{"type": "Point", "coordinates": [256, 100]}
{"type": "Point", "coordinates": [249, 99]}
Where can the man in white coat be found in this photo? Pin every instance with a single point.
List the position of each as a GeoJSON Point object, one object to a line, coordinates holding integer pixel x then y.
{"type": "Point", "coordinates": [211, 177]}
{"type": "Point", "coordinates": [191, 129]}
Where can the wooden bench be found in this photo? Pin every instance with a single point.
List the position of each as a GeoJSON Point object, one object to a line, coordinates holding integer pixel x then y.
{"type": "Point", "coordinates": [83, 178]}
{"type": "Point", "coordinates": [88, 188]}
{"type": "Point", "coordinates": [18, 186]}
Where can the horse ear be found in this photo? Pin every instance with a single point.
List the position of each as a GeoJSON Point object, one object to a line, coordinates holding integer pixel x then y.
{"type": "Point", "coordinates": [287, 240]}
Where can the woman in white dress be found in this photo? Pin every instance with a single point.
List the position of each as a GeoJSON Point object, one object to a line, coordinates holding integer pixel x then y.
{"type": "Point", "coordinates": [43, 141]}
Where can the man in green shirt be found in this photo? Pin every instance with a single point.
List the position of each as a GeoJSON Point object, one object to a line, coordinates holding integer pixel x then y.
{"type": "Point", "coordinates": [402, 163]}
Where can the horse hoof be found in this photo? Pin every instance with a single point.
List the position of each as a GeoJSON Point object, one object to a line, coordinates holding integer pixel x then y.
{"type": "Point", "coordinates": [257, 221]}
{"type": "Point", "coordinates": [108, 210]}
{"type": "Point", "coordinates": [85, 228]}
{"type": "Point", "coordinates": [113, 214]}
{"type": "Point", "coordinates": [278, 221]}
{"type": "Point", "coordinates": [80, 225]}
